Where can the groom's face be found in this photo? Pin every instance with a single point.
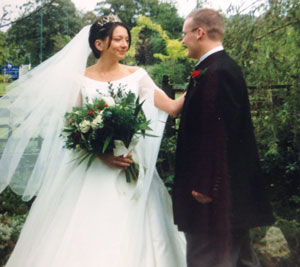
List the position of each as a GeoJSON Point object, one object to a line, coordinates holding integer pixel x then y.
{"type": "Point", "coordinates": [189, 38]}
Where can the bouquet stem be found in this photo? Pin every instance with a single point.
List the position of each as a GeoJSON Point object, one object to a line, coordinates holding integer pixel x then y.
{"type": "Point", "coordinates": [132, 172]}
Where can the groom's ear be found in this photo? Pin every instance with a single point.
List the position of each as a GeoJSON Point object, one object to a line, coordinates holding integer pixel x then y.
{"type": "Point", "coordinates": [200, 33]}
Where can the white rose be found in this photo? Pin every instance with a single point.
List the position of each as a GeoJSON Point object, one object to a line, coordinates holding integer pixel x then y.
{"type": "Point", "coordinates": [84, 126]}
{"type": "Point", "coordinates": [109, 100]}
{"type": "Point", "coordinates": [97, 121]}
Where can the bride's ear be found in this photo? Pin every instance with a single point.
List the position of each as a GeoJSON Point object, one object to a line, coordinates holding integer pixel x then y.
{"type": "Point", "coordinates": [99, 44]}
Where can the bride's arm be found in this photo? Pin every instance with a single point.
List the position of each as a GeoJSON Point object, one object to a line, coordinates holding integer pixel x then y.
{"type": "Point", "coordinates": [167, 104]}
{"type": "Point", "coordinates": [149, 90]}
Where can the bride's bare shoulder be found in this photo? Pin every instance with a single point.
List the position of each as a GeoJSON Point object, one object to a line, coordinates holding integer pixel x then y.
{"type": "Point", "coordinates": [89, 71]}
{"type": "Point", "coordinates": [131, 69]}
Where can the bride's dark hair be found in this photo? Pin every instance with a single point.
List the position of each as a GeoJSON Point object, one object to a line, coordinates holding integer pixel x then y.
{"type": "Point", "coordinates": [100, 31]}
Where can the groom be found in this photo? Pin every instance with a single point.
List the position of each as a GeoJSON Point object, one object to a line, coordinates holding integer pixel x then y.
{"type": "Point", "coordinates": [218, 192]}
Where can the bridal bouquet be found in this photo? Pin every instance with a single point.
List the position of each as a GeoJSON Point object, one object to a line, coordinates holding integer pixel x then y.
{"type": "Point", "coordinates": [108, 123]}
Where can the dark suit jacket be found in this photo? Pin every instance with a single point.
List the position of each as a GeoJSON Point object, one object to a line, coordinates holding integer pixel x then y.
{"type": "Point", "coordinates": [216, 153]}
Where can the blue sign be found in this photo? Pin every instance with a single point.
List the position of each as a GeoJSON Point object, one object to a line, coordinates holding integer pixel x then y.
{"type": "Point", "coordinates": [11, 70]}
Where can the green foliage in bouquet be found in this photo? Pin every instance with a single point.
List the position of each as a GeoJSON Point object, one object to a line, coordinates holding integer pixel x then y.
{"type": "Point", "coordinates": [93, 127]}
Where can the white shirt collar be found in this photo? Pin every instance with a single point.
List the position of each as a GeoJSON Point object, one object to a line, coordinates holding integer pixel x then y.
{"type": "Point", "coordinates": [214, 50]}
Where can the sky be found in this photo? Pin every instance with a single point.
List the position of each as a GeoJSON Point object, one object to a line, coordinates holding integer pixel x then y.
{"type": "Point", "coordinates": [183, 6]}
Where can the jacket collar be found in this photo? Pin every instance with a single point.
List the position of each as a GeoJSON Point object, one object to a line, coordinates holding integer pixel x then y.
{"type": "Point", "coordinates": [212, 51]}
{"type": "Point", "coordinates": [210, 59]}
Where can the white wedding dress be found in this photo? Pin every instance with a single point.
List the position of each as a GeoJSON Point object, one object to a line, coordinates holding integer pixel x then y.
{"type": "Point", "coordinates": [95, 218]}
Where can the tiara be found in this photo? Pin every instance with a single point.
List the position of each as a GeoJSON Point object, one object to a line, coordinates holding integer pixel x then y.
{"type": "Point", "coordinates": [106, 19]}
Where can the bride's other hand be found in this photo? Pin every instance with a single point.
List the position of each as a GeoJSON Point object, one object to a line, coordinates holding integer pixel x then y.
{"type": "Point", "coordinates": [118, 162]}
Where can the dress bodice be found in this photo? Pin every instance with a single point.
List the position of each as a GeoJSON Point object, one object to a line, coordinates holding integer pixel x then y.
{"type": "Point", "coordinates": [92, 88]}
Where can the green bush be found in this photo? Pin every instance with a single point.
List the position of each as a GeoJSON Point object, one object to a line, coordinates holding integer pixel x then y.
{"type": "Point", "coordinates": [178, 72]}
{"type": "Point", "coordinates": [10, 228]}
{"type": "Point", "coordinates": [4, 78]}
{"type": "Point", "coordinates": [258, 233]}
{"type": "Point", "coordinates": [12, 204]}
{"type": "Point", "coordinates": [13, 212]}
{"type": "Point", "coordinates": [291, 231]}
{"type": "Point", "coordinates": [166, 160]}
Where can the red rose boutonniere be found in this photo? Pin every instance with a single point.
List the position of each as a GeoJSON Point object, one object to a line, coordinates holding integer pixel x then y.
{"type": "Point", "coordinates": [197, 74]}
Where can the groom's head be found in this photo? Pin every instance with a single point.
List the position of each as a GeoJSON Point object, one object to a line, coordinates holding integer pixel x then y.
{"type": "Point", "coordinates": [210, 20]}
{"type": "Point", "coordinates": [202, 30]}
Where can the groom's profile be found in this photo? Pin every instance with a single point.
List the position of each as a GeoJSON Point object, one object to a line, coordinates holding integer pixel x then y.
{"type": "Point", "coordinates": [218, 192]}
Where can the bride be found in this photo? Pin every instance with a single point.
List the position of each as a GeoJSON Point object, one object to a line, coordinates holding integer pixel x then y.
{"type": "Point", "coordinates": [94, 217]}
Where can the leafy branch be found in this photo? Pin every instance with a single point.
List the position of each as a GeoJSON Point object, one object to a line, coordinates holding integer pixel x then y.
{"type": "Point", "coordinates": [277, 29]}
{"type": "Point", "coordinates": [27, 16]}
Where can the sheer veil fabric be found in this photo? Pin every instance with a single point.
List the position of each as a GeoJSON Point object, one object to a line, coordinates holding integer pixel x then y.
{"type": "Point", "coordinates": [36, 105]}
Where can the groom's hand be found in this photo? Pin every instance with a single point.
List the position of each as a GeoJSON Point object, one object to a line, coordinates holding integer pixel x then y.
{"type": "Point", "coordinates": [201, 198]}
{"type": "Point", "coordinates": [113, 161]}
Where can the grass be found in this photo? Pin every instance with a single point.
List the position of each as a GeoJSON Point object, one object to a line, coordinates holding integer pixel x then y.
{"type": "Point", "coordinates": [2, 88]}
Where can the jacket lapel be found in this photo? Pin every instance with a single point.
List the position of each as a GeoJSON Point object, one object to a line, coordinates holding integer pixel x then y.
{"type": "Point", "coordinates": [203, 65]}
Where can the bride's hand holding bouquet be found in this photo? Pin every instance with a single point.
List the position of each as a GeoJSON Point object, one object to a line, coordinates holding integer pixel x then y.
{"type": "Point", "coordinates": [106, 125]}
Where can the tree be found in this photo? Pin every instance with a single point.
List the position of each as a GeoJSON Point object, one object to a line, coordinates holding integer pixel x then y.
{"type": "Point", "coordinates": [59, 19]}
{"type": "Point", "coordinates": [267, 47]}
{"type": "Point", "coordinates": [10, 53]}
{"type": "Point", "coordinates": [88, 18]}
{"type": "Point", "coordinates": [24, 11]}
{"type": "Point", "coordinates": [163, 13]}
{"type": "Point", "coordinates": [126, 10]}
{"type": "Point", "coordinates": [170, 50]}
{"type": "Point", "coordinates": [166, 15]}
{"type": "Point", "coordinates": [174, 47]}
{"type": "Point", "coordinates": [4, 49]}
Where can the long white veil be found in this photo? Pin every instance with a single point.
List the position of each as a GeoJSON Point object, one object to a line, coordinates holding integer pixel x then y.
{"type": "Point", "coordinates": [34, 108]}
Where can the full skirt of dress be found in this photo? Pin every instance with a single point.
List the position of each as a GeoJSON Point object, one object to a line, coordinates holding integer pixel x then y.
{"type": "Point", "coordinates": [86, 218]}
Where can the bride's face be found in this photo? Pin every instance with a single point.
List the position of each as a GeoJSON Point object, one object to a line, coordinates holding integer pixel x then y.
{"type": "Point", "coordinates": [119, 44]}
